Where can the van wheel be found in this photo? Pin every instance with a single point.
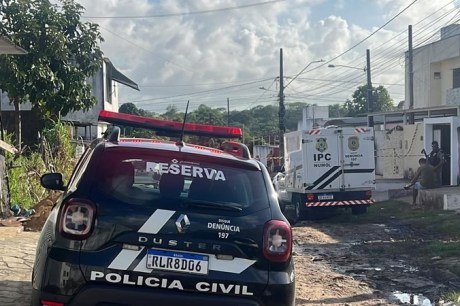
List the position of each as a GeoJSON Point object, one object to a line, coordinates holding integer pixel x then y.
{"type": "Point", "coordinates": [298, 214]}
{"type": "Point", "coordinates": [359, 210]}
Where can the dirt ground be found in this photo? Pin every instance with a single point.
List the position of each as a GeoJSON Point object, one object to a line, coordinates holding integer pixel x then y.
{"type": "Point", "coordinates": [346, 263]}
{"type": "Point", "coordinates": [42, 210]}
{"type": "Point", "coordinates": [366, 264]}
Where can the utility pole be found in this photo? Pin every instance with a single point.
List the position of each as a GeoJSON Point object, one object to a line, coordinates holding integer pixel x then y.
{"type": "Point", "coordinates": [411, 77]}
{"type": "Point", "coordinates": [282, 109]}
{"type": "Point", "coordinates": [370, 100]}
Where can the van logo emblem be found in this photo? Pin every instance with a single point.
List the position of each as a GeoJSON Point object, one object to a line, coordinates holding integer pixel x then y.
{"type": "Point", "coordinates": [182, 223]}
{"type": "Point", "coordinates": [321, 144]}
{"type": "Point", "coordinates": [353, 143]}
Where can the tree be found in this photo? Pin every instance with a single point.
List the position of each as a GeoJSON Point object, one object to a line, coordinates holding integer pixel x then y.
{"type": "Point", "coordinates": [207, 115]}
{"type": "Point", "coordinates": [358, 104]}
{"type": "Point", "coordinates": [130, 108]}
{"type": "Point", "coordinates": [294, 112]}
{"type": "Point", "coordinates": [62, 53]}
{"type": "Point", "coordinates": [172, 113]}
{"type": "Point", "coordinates": [337, 111]}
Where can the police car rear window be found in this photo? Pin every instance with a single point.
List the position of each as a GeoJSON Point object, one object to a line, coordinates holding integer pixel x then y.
{"type": "Point", "coordinates": [170, 179]}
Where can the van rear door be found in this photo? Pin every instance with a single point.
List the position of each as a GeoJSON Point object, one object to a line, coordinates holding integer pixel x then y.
{"type": "Point", "coordinates": [321, 153]}
{"type": "Point", "coordinates": [357, 145]}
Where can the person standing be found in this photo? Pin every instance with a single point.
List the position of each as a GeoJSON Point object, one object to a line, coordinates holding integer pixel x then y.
{"type": "Point", "coordinates": [424, 178]}
{"type": "Point", "coordinates": [435, 158]}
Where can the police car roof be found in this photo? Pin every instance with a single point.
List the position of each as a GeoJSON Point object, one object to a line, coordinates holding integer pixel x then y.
{"type": "Point", "coordinates": [155, 144]}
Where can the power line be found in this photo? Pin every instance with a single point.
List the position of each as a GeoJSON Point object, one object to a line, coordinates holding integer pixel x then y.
{"type": "Point", "coordinates": [187, 13]}
{"type": "Point", "coordinates": [381, 64]}
{"type": "Point", "coordinates": [198, 92]}
{"type": "Point", "coordinates": [198, 84]}
{"type": "Point", "coordinates": [363, 40]}
{"type": "Point", "coordinates": [255, 101]}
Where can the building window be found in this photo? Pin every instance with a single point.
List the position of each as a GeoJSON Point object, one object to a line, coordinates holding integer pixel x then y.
{"type": "Point", "coordinates": [437, 75]}
{"type": "Point", "coordinates": [456, 78]}
{"type": "Point", "coordinates": [108, 84]}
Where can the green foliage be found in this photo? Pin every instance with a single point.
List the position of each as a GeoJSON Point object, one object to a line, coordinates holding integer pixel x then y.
{"type": "Point", "coordinates": [24, 179]}
{"type": "Point", "coordinates": [358, 105]}
{"type": "Point", "coordinates": [262, 121]}
{"type": "Point", "coordinates": [293, 115]}
{"type": "Point", "coordinates": [56, 154]}
{"type": "Point", "coordinates": [62, 53]}
{"type": "Point", "coordinates": [453, 296]}
{"type": "Point", "coordinates": [172, 114]}
{"type": "Point", "coordinates": [131, 109]}
{"type": "Point", "coordinates": [444, 248]}
{"type": "Point", "coordinates": [442, 222]}
{"type": "Point", "coordinates": [58, 150]}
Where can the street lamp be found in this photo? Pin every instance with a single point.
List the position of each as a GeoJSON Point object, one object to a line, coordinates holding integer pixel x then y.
{"type": "Point", "coordinates": [302, 71]}
{"type": "Point", "coordinates": [282, 109]}
{"type": "Point", "coordinates": [370, 102]}
{"type": "Point", "coordinates": [334, 66]}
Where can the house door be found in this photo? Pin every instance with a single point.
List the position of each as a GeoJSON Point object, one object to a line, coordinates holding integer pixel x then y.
{"type": "Point", "coordinates": [441, 133]}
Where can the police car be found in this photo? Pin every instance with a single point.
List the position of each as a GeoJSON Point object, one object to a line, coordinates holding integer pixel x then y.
{"type": "Point", "coordinates": [208, 232]}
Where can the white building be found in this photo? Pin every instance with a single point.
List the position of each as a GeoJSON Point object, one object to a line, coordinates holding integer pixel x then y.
{"type": "Point", "coordinates": [436, 79]}
{"type": "Point", "coordinates": [313, 116]}
{"type": "Point", "coordinates": [105, 88]}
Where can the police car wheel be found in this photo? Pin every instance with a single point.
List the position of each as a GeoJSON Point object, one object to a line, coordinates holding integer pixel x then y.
{"type": "Point", "coordinates": [35, 298]}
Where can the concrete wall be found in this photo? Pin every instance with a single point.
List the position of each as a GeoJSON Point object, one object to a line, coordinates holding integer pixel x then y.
{"type": "Point", "coordinates": [441, 57]}
{"type": "Point", "coordinates": [389, 153]}
{"type": "Point", "coordinates": [398, 150]}
{"type": "Point", "coordinates": [412, 147]}
{"type": "Point", "coordinates": [313, 115]}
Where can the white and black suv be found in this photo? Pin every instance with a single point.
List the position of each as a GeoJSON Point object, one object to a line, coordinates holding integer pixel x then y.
{"type": "Point", "coordinates": [148, 222]}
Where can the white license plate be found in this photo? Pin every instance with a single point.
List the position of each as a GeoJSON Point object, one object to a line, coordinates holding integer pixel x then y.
{"type": "Point", "coordinates": [325, 197]}
{"type": "Point", "coordinates": [177, 261]}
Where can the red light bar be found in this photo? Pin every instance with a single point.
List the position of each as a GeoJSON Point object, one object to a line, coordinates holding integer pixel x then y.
{"type": "Point", "coordinates": [171, 128]}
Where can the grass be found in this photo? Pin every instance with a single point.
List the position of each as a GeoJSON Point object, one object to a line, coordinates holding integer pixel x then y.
{"type": "Point", "coordinates": [432, 234]}
{"type": "Point", "coordinates": [436, 233]}
{"type": "Point", "coordinates": [444, 248]}
{"type": "Point", "coordinates": [453, 296]}
{"type": "Point", "coordinates": [438, 223]}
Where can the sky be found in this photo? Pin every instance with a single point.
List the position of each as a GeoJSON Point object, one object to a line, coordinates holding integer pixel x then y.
{"type": "Point", "coordinates": [211, 51]}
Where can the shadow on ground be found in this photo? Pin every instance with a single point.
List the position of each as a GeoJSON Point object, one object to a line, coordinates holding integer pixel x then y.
{"type": "Point", "coordinates": [15, 293]}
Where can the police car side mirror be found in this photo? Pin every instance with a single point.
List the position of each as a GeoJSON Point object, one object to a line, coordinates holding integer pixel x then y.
{"type": "Point", "coordinates": [53, 181]}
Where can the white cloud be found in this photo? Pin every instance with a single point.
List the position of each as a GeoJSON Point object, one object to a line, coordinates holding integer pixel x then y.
{"type": "Point", "coordinates": [242, 45]}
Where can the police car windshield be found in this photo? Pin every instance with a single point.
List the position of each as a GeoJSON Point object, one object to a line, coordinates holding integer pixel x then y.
{"type": "Point", "coordinates": [147, 177]}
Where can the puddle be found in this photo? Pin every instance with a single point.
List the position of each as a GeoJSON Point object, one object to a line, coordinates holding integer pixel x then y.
{"type": "Point", "coordinates": [411, 299]}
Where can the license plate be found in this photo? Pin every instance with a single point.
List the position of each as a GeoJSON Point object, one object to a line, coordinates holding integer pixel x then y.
{"type": "Point", "coordinates": [177, 261]}
{"type": "Point", "coordinates": [326, 197]}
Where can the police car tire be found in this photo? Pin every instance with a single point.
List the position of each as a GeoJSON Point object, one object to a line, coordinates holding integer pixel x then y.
{"type": "Point", "coordinates": [35, 298]}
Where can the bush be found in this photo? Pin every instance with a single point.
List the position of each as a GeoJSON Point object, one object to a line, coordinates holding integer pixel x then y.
{"type": "Point", "coordinates": [55, 153]}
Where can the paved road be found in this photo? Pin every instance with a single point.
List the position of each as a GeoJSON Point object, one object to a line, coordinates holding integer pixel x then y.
{"type": "Point", "coordinates": [17, 253]}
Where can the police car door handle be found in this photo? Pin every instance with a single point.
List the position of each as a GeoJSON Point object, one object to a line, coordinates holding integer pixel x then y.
{"type": "Point", "coordinates": [351, 164]}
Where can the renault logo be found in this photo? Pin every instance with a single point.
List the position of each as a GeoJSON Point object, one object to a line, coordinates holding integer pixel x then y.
{"type": "Point", "coordinates": [182, 223]}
